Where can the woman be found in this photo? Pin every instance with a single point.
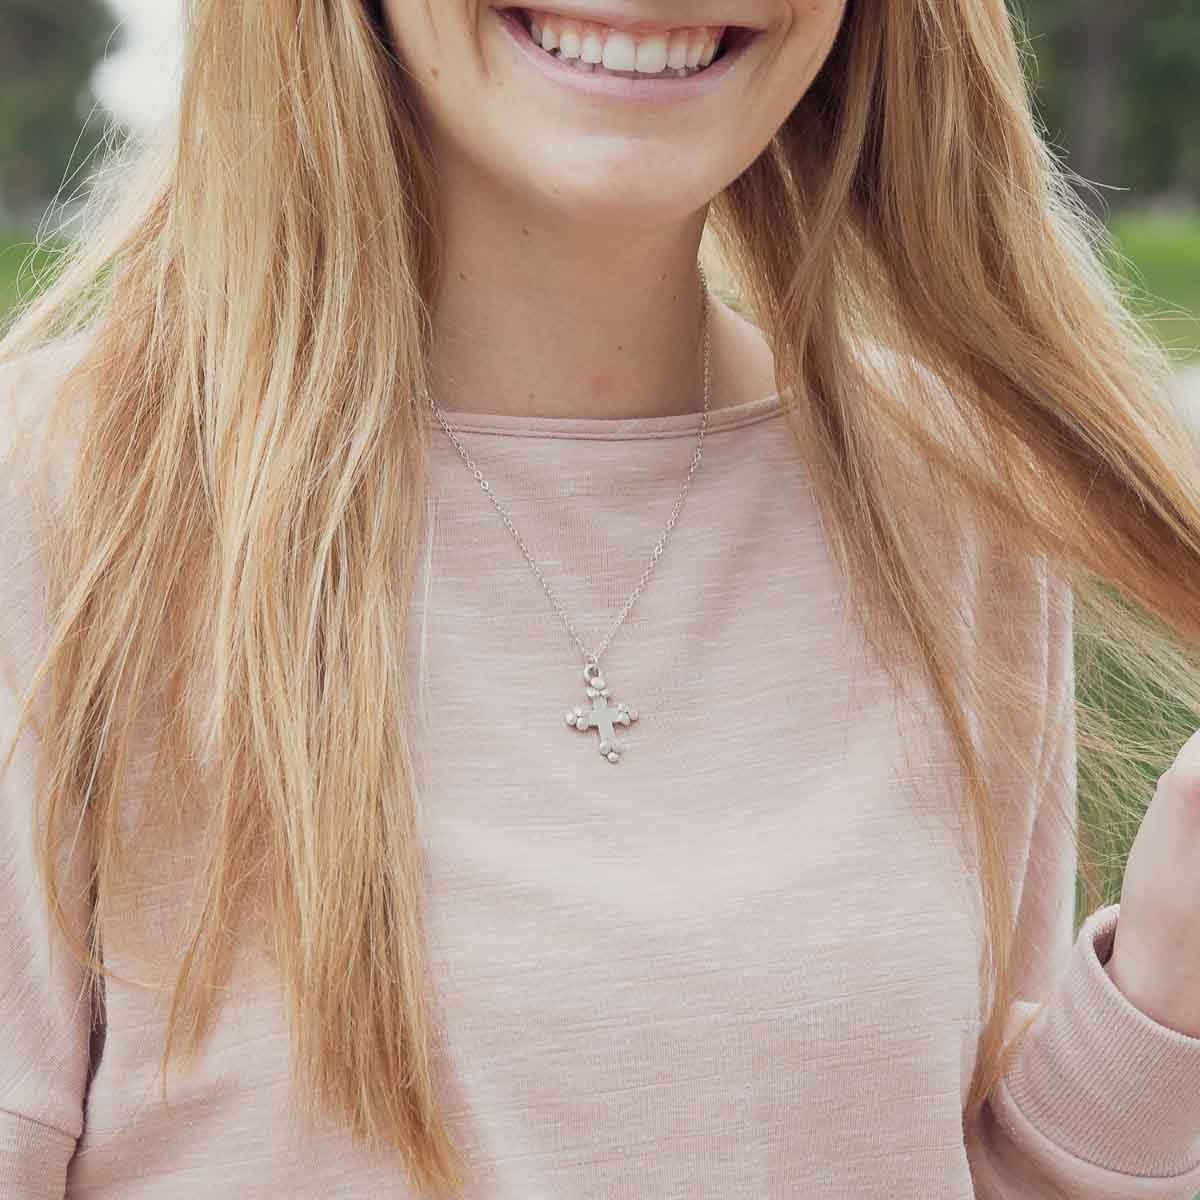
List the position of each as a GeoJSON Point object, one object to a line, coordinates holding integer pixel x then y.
{"type": "Point", "coordinates": [485, 819]}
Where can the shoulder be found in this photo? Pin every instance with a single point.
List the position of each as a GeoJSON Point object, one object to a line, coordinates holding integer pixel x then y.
{"type": "Point", "coordinates": [1007, 599]}
{"type": "Point", "coordinates": [39, 437]}
{"type": "Point", "coordinates": [744, 366]}
{"type": "Point", "coordinates": [44, 1009]}
{"type": "Point", "coordinates": [40, 407]}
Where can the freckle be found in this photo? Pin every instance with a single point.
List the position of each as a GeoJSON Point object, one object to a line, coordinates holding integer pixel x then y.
{"type": "Point", "coordinates": [462, 276]}
{"type": "Point", "coordinates": [525, 231]}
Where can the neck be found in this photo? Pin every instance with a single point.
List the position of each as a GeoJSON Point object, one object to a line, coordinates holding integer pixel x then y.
{"type": "Point", "coordinates": [543, 319]}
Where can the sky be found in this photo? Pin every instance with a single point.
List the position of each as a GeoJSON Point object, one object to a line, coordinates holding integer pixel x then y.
{"type": "Point", "coordinates": [137, 81]}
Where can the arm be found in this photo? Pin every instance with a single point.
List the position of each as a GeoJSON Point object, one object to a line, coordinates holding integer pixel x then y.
{"type": "Point", "coordinates": [1099, 1102]}
{"type": "Point", "coordinates": [45, 1015]}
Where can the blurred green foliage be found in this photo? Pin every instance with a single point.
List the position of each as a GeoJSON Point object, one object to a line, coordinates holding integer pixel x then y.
{"type": "Point", "coordinates": [47, 52]}
{"type": "Point", "coordinates": [1117, 85]}
{"type": "Point", "coordinates": [20, 266]}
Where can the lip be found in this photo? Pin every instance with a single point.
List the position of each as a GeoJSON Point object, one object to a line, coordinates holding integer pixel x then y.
{"type": "Point", "coordinates": [616, 87]}
{"type": "Point", "coordinates": [616, 21]}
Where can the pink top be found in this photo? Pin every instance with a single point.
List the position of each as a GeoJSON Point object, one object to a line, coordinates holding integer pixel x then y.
{"type": "Point", "coordinates": [739, 963]}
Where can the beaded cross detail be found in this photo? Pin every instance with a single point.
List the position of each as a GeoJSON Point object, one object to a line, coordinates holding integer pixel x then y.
{"type": "Point", "coordinates": [600, 716]}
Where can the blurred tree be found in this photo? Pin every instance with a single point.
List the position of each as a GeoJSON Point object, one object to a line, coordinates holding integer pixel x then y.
{"type": "Point", "coordinates": [1118, 83]}
{"type": "Point", "coordinates": [47, 52]}
{"type": "Point", "coordinates": [1161, 136]}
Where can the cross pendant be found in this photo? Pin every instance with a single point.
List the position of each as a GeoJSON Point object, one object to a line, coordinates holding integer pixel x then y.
{"type": "Point", "coordinates": [600, 716]}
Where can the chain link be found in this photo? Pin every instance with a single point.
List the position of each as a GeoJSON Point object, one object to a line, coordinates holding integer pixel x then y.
{"type": "Point", "coordinates": [592, 658]}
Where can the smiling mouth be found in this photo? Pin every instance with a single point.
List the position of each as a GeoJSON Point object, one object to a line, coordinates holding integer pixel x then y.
{"type": "Point", "coordinates": [731, 39]}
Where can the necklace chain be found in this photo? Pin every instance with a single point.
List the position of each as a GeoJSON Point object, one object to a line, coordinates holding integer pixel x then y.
{"type": "Point", "coordinates": [592, 657]}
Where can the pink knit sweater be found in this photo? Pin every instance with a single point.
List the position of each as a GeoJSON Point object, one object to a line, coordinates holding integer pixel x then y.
{"type": "Point", "coordinates": [738, 964]}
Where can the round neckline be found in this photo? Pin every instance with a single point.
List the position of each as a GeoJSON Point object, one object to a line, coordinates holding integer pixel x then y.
{"type": "Point", "coordinates": [732, 416]}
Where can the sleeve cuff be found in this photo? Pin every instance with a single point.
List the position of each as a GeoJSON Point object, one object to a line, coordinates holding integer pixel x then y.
{"type": "Point", "coordinates": [1099, 1078]}
{"type": "Point", "coordinates": [33, 1159]}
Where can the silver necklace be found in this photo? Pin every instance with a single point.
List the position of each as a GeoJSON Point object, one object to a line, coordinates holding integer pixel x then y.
{"type": "Point", "coordinates": [601, 715]}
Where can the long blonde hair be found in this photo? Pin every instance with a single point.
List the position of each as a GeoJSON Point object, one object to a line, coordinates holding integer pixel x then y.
{"type": "Point", "coordinates": [234, 548]}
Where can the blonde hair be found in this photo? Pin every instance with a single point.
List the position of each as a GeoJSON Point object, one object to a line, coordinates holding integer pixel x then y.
{"type": "Point", "coordinates": [235, 547]}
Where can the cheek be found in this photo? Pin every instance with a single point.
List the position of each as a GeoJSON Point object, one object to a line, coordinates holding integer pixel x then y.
{"type": "Point", "coordinates": [428, 39]}
{"type": "Point", "coordinates": [819, 11]}
{"type": "Point", "coordinates": [805, 43]}
{"type": "Point", "coordinates": [436, 50]}
{"type": "Point", "coordinates": [815, 23]}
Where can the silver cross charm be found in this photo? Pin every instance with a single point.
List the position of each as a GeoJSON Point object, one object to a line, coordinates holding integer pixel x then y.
{"type": "Point", "coordinates": [600, 716]}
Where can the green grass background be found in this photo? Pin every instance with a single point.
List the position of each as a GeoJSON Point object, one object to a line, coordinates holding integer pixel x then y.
{"type": "Point", "coordinates": [1163, 261]}
{"type": "Point", "coordinates": [19, 266]}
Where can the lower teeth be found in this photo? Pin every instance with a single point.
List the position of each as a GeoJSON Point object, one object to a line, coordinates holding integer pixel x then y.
{"type": "Point", "coordinates": [599, 69]}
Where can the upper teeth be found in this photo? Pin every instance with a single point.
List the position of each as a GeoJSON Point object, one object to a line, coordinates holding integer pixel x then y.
{"type": "Point", "coordinates": [621, 51]}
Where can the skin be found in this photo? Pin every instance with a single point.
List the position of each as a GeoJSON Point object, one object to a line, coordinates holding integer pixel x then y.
{"type": "Point", "coordinates": [1155, 959]}
{"type": "Point", "coordinates": [574, 223]}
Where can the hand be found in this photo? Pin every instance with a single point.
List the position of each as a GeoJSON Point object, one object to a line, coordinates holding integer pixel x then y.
{"type": "Point", "coordinates": [1155, 959]}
